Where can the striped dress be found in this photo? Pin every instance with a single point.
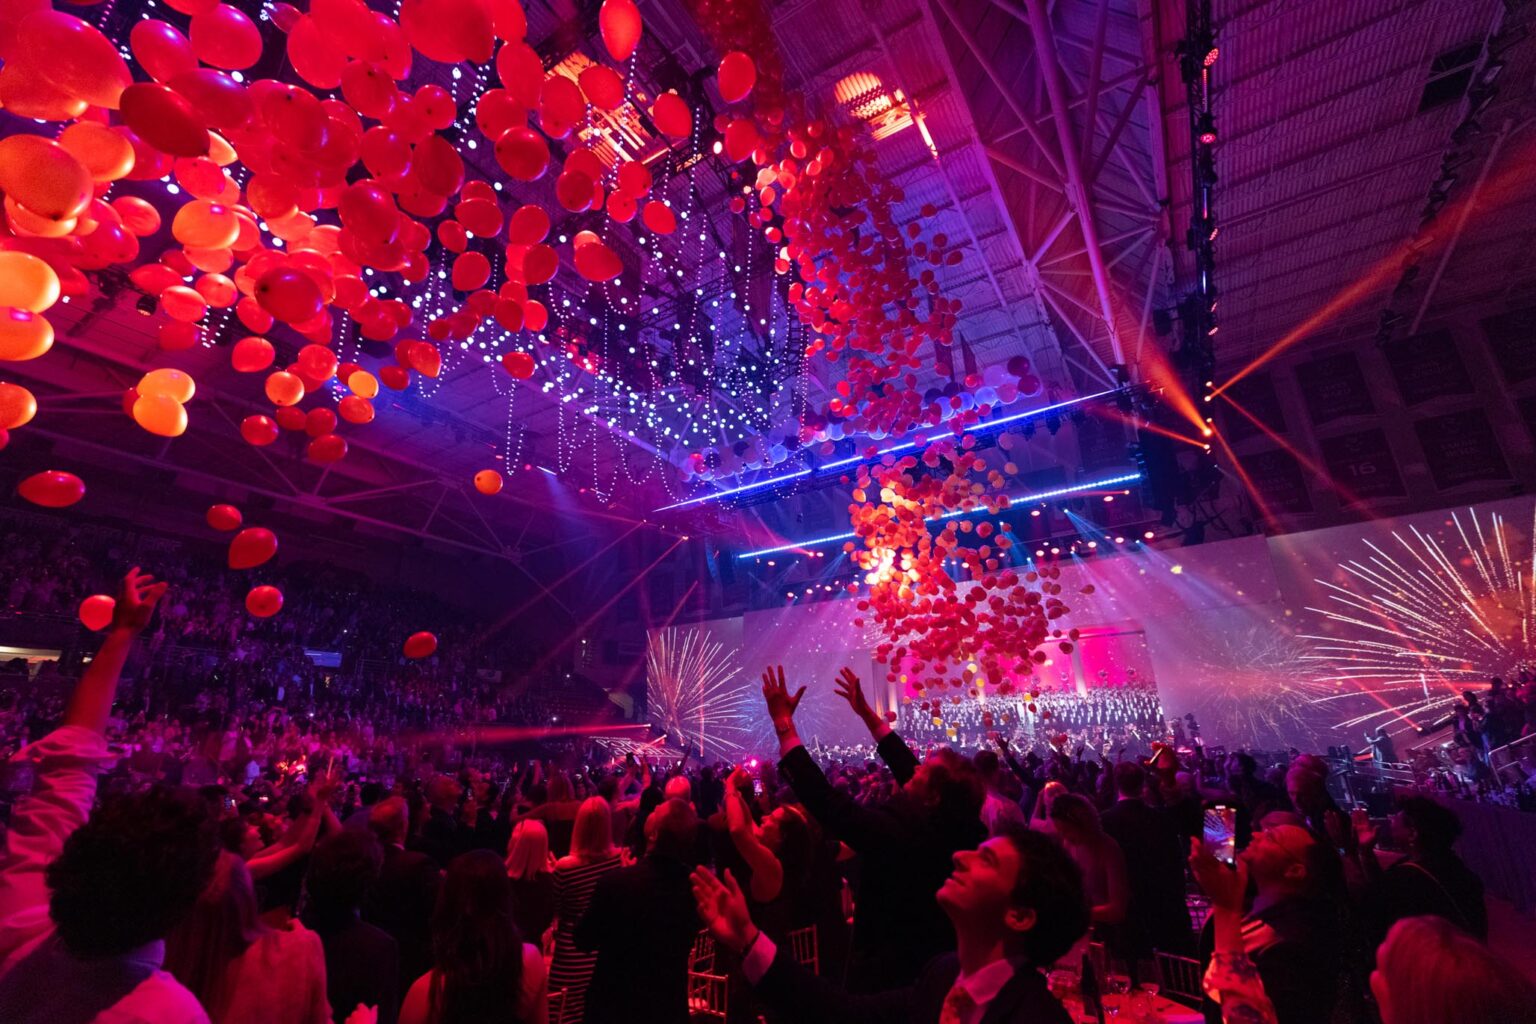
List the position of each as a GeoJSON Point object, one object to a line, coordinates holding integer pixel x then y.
{"type": "Point", "coordinates": [571, 968]}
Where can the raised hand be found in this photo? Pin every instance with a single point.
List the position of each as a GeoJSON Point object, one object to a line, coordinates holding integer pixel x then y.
{"type": "Point", "coordinates": [781, 706]}
{"type": "Point", "coordinates": [136, 600]}
{"type": "Point", "coordinates": [850, 689]}
{"type": "Point", "coordinates": [723, 909]}
{"type": "Point", "coordinates": [1223, 885]}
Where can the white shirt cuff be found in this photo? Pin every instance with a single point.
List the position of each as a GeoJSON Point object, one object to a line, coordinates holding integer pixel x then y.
{"type": "Point", "coordinates": [756, 963]}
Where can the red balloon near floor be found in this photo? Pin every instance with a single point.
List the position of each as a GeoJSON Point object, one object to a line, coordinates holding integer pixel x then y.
{"type": "Point", "coordinates": [52, 489]}
{"type": "Point", "coordinates": [264, 601]}
{"type": "Point", "coordinates": [420, 645]}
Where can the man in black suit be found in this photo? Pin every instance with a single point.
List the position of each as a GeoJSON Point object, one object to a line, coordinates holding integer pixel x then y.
{"type": "Point", "coordinates": [641, 926]}
{"type": "Point", "coordinates": [1154, 859]}
{"type": "Point", "coordinates": [402, 899]}
{"type": "Point", "coordinates": [905, 845]}
{"type": "Point", "coordinates": [443, 835]}
{"type": "Point", "coordinates": [362, 961]}
{"type": "Point", "coordinates": [1016, 903]}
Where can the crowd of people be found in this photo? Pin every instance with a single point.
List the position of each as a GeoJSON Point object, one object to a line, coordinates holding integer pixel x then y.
{"type": "Point", "coordinates": [330, 857]}
{"type": "Point", "coordinates": [1108, 721]}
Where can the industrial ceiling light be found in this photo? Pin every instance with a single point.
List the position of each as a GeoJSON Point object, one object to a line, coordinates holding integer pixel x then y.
{"type": "Point", "coordinates": [145, 305]}
{"type": "Point", "coordinates": [1206, 126]}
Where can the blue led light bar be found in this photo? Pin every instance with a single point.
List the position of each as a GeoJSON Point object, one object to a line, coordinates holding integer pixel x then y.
{"type": "Point", "coordinates": [1018, 499]}
{"type": "Point", "coordinates": [905, 446]}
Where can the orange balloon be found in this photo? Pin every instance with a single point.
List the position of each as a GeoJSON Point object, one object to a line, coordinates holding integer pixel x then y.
{"type": "Point", "coordinates": [44, 177]}
{"type": "Point", "coordinates": [284, 389]}
{"type": "Point", "coordinates": [161, 415]}
{"type": "Point", "coordinates": [104, 153]}
{"type": "Point", "coordinates": [175, 385]}
{"type": "Point", "coordinates": [17, 406]}
{"type": "Point", "coordinates": [264, 602]}
{"type": "Point", "coordinates": [182, 303]}
{"type": "Point", "coordinates": [363, 384]}
{"type": "Point", "coordinates": [23, 334]}
{"type": "Point", "coordinates": [52, 489]}
{"type": "Point", "coordinates": [488, 481]}
{"type": "Point", "coordinates": [25, 94]}
{"type": "Point", "coordinates": [27, 282]}
{"type": "Point", "coordinates": [96, 612]}
{"type": "Point", "coordinates": [27, 224]}
{"type": "Point", "coordinates": [160, 49]}
{"type": "Point", "coordinates": [138, 215]}
{"type": "Point", "coordinates": [205, 225]}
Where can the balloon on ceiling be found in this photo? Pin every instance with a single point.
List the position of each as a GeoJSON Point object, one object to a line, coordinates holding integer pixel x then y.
{"type": "Point", "coordinates": [289, 196]}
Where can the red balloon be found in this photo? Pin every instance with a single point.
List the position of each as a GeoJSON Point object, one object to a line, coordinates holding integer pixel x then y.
{"type": "Point", "coordinates": [52, 489]}
{"type": "Point", "coordinates": [634, 179]}
{"type": "Point", "coordinates": [396, 378]}
{"type": "Point", "coordinates": [326, 449]}
{"type": "Point", "coordinates": [619, 21]}
{"type": "Point", "coordinates": [518, 364]}
{"type": "Point", "coordinates": [369, 89]}
{"type": "Point", "coordinates": [602, 86]}
{"type": "Point", "coordinates": [672, 116]}
{"type": "Point", "coordinates": [252, 316]}
{"type": "Point", "coordinates": [535, 316]}
{"type": "Point", "coordinates": [174, 335]}
{"type": "Point", "coordinates": [291, 417]}
{"type": "Point", "coordinates": [165, 119]}
{"type": "Point", "coordinates": [574, 190]}
{"type": "Point", "coordinates": [315, 57]}
{"type": "Point", "coordinates": [368, 211]}
{"type": "Point", "coordinates": [540, 263]}
{"type": "Point", "coordinates": [470, 271]}
{"type": "Point", "coordinates": [71, 56]}
{"type": "Point", "coordinates": [561, 105]}
{"type": "Point", "coordinates": [217, 99]}
{"type": "Point", "coordinates": [224, 517]}
{"type": "Point", "coordinates": [659, 217]}
{"type": "Point", "coordinates": [482, 216]}
{"type": "Point", "coordinates": [290, 295]}
{"type": "Point", "coordinates": [438, 166]}
{"type": "Point", "coordinates": [528, 226]}
{"type": "Point", "coordinates": [160, 49]}
{"type": "Point", "coordinates": [596, 262]}
{"type": "Point", "coordinates": [320, 422]}
{"type": "Point", "coordinates": [355, 409]}
{"type": "Point", "coordinates": [96, 612]}
{"type": "Point", "coordinates": [251, 547]}
{"type": "Point", "coordinates": [225, 38]}
{"type": "Point", "coordinates": [258, 430]}
{"type": "Point", "coordinates": [264, 601]}
{"type": "Point", "coordinates": [521, 73]}
{"type": "Point", "coordinates": [621, 207]}
{"type": "Point", "coordinates": [420, 645]}
{"type": "Point", "coordinates": [522, 153]}
{"type": "Point", "coordinates": [449, 31]}
{"type": "Point", "coordinates": [737, 76]}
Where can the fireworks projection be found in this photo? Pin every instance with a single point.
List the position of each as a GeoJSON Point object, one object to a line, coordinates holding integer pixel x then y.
{"type": "Point", "coordinates": [1260, 684]}
{"type": "Point", "coordinates": [1414, 624]}
{"type": "Point", "coordinates": [695, 694]}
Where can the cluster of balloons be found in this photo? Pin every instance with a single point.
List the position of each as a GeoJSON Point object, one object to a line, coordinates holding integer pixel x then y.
{"type": "Point", "coordinates": [158, 402]}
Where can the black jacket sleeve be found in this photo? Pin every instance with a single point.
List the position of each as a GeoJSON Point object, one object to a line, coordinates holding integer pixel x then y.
{"type": "Point", "coordinates": [799, 995]}
{"type": "Point", "coordinates": [844, 819]}
{"type": "Point", "coordinates": [898, 757]}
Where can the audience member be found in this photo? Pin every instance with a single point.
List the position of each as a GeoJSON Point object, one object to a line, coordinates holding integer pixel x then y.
{"type": "Point", "coordinates": [592, 856]}
{"type": "Point", "coordinates": [362, 962]}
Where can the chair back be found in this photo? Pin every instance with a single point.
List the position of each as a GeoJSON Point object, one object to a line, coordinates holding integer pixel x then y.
{"type": "Point", "coordinates": [1179, 978]}
{"type": "Point", "coordinates": [702, 957]}
{"type": "Point", "coordinates": [806, 950]}
{"type": "Point", "coordinates": [708, 996]}
{"type": "Point", "coordinates": [556, 1003]}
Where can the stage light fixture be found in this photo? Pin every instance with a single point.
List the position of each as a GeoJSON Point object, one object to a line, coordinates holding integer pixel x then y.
{"type": "Point", "coordinates": [1206, 127]}
{"type": "Point", "coordinates": [1149, 535]}
{"type": "Point", "coordinates": [1210, 56]}
{"type": "Point", "coordinates": [145, 305]}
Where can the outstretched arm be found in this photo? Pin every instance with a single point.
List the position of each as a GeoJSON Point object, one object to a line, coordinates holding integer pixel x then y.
{"type": "Point", "coordinates": [767, 872]}
{"type": "Point", "coordinates": [91, 704]}
{"type": "Point", "coordinates": [892, 748]}
{"type": "Point", "coordinates": [67, 762]}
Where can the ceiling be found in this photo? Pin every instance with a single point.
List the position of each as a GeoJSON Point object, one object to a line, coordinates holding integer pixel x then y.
{"type": "Point", "coordinates": [1053, 140]}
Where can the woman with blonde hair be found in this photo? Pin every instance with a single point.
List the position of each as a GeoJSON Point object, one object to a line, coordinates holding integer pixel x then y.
{"type": "Point", "coordinates": [576, 875]}
{"type": "Point", "coordinates": [241, 970]}
{"type": "Point", "coordinates": [1428, 971]}
{"type": "Point", "coordinates": [530, 868]}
